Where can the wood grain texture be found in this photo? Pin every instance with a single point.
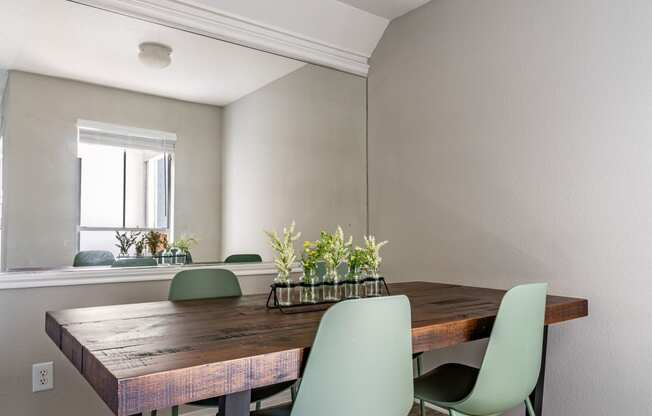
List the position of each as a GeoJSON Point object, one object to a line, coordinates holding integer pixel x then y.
{"type": "Point", "coordinates": [155, 355]}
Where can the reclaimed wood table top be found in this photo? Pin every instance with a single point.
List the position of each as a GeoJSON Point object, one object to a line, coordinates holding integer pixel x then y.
{"type": "Point", "coordinates": [145, 356]}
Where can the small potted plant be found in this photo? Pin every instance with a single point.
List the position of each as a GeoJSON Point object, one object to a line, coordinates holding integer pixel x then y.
{"type": "Point", "coordinates": [183, 246]}
{"type": "Point", "coordinates": [285, 258]}
{"type": "Point", "coordinates": [309, 259]}
{"type": "Point", "coordinates": [153, 242]}
{"type": "Point", "coordinates": [334, 250]}
{"type": "Point", "coordinates": [164, 248]}
{"type": "Point", "coordinates": [139, 246]}
{"type": "Point", "coordinates": [356, 261]}
{"type": "Point", "coordinates": [372, 262]}
{"type": "Point", "coordinates": [125, 241]}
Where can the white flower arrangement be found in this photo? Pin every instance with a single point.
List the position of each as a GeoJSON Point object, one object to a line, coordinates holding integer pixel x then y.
{"type": "Point", "coordinates": [334, 248]}
{"type": "Point", "coordinates": [372, 253]}
{"type": "Point", "coordinates": [284, 248]}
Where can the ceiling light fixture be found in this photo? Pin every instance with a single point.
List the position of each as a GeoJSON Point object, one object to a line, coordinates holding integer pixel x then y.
{"type": "Point", "coordinates": [155, 55]}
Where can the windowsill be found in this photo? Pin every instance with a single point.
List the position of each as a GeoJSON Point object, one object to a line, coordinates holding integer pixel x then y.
{"type": "Point", "coordinates": [102, 275]}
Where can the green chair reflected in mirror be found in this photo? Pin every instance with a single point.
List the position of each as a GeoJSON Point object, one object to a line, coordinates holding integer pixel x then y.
{"type": "Point", "coordinates": [359, 364]}
{"type": "Point", "coordinates": [93, 258]}
{"type": "Point", "coordinates": [135, 262]}
{"type": "Point", "coordinates": [243, 258]}
{"type": "Point", "coordinates": [214, 283]}
{"type": "Point", "coordinates": [510, 367]}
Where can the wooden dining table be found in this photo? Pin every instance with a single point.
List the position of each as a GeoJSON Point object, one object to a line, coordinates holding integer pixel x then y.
{"type": "Point", "coordinates": [145, 356]}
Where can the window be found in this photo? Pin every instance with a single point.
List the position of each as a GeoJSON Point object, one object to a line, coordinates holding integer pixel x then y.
{"type": "Point", "coordinates": [125, 183]}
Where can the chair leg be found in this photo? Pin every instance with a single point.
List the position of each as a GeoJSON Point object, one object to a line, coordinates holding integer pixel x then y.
{"type": "Point", "coordinates": [175, 410]}
{"type": "Point", "coordinates": [530, 409]}
{"type": "Point", "coordinates": [293, 391]}
{"type": "Point", "coordinates": [422, 405]}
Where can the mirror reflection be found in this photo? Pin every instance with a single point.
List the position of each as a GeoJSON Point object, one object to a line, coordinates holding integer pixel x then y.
{"type": "Point", "coordinates": [156, 146]}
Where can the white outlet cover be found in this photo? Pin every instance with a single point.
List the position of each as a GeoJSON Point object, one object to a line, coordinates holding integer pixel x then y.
{"type": "Point", "coordinates": [42, 376]}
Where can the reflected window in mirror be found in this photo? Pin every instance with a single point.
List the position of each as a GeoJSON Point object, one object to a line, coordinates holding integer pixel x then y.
{"type": "Point", "coordinates": [126, 178]}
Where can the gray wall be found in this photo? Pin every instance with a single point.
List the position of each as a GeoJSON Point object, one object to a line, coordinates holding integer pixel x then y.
{"type": "Point", "coordinates": [295, 150]}
{"type": "Point", "coordinates": [510, 142]}
{"type": "Point", "coordinates": [24, 343]}
{"type": "Point", "coordinates": [41, 175]}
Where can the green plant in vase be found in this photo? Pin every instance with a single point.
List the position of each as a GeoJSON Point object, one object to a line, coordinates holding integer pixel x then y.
{"type": "Point", "coordinates": [284, 260]}
{"type": "Point", "coordinates": [356, 261]}
{"type": "Point", "coordinates": [125, 242]}
{"type": "Point", "coordinates": [372, 262]}
{"type": "Point", "coordinates": [334, 250]}
{"type": "Point", "coordinates": [153, 241]}
{"type": "Point", "coordinates": [183, 246]}
{"type": "Point", "coordinates": [309, 258]}
{"type": "Point", "coordinates": [139, 246]}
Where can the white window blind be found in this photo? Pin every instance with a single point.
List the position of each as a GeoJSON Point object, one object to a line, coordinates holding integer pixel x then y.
{"type": "Point", "coordinates": [94, 132]}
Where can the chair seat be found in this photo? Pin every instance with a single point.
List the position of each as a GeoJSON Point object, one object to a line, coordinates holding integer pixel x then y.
{"type": "Point", "coordinates": [282, 410]}
{"type": "Point", "coordinates": [448, 383]}
{"type": "Point", "coordinates": [260, 393]}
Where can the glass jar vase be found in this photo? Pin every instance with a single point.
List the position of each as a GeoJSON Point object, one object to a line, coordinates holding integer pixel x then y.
{"type": "Point", "coordinates": [372, 284]}
{"type": "Point", "coordinates": [308, 288]}
{"type": "Point", "coordinates": [352, 285]}
{"type": "Point", "coordinates": [283, 285]}
{"type": "Point", "coordinates": [330, 287]}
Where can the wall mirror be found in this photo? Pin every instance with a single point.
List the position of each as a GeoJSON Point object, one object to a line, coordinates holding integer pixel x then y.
{"type": "Point", "coordinates": [113, 124]}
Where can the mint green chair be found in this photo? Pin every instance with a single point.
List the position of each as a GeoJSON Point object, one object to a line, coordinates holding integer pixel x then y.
{"type": "Point", "coordinates": [359, 364]}
{"type": "Point", "coordinates": [135, 262]}
{"type": "Point", "coordinates": [243, 258]}
{"type": "Point", "coordinates": [214, 283]}
{"type": "Point", "coordinates": [93, 258]}
{"type": "Point", "coordinates": [511, 364]}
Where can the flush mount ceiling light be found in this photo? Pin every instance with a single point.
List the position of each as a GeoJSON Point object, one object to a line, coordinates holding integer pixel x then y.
{"type": "Point", "coordinates": [155, 55]}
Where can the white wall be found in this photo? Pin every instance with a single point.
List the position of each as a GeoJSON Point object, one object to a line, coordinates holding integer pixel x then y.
{"type": "Point", "coordinates": [509, 142]}
{"type": "Point", "coordinates": [295, 150]}
{"type": "Point", "coordinates": [41, 174]}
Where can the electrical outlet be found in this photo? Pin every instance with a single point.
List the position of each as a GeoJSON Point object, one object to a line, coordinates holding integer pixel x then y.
{"type": "Point", "coordinates": [42, 376]}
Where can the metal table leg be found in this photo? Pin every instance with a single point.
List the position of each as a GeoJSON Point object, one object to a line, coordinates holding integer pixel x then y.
{"type": "Point", "coordinates": [236, 404]}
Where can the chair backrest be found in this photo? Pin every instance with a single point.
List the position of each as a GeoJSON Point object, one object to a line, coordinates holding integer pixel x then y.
{"type": "Point", "coordinates": [204, 284]}
{"type": "Point", "coordinates": [93, 258]}
{"type": "Point", "coordinates": [243, 258]}
{"type": "Point", "coordinates": [135, 262]}
{"type": "Point", "coordinates": [360, 362]}
{"type": "Point", "coordinates": [512, 361]}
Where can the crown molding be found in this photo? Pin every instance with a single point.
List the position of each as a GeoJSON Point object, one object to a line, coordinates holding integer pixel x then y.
{"type": "Point", "coordinates": [184, 15]}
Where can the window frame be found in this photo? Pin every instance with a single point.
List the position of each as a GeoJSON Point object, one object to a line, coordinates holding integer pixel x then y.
{"type": "Point", "coordinates": [170, 164]}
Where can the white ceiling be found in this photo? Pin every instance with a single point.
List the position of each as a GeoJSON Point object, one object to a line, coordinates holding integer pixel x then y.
{"type": "Point", "coordinates": [68, 40]}
{"type": "Point", "coordinates": [389, 9]}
